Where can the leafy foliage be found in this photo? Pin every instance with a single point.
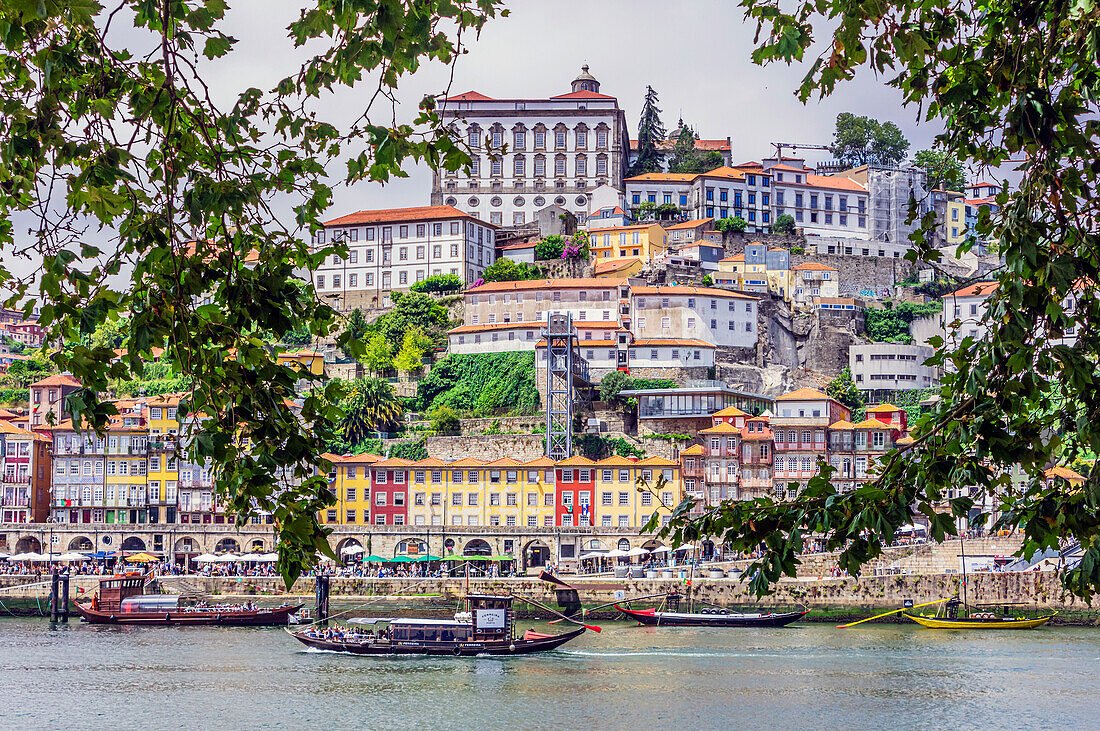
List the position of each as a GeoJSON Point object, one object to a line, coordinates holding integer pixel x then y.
{"type": "Point", "coordinates": [412, 311]}
{"type": "Point", "coordinates": [377, 353]}
{"type": "Point", "coordinates": [414, 346]}
{"type": "Point", "coordinates": [612, 384]}
{"type": "Point", "coordinates": [686, 159]}
{"type": "Point", "coordinates": [867, 141]}
{"type": "Point", "coordinates": [645, 210]}
{"type": "Point", "coordinates": [370, 406]}
{"type": "Point", "coordinates": [22, 373]}
{"type": "Point", "coordinates": [438, 284]}
{"type": "Point", "coordinates": [550, 247]}
{"type": "Point", "coordinates": [891, 325]}
{"type": "Point", "coordinates": [945, 172]}
{"type": "Point", "coordinates": [506, 270]}
{"type": "Point", "coordinates": [735, 225]}
{"type": "Point", "coordinates": [445, 420]}
{"type": "Point", "coordinates": [1011, 82]}
{"type": "Point", "coordinates": [784, 224]}
{"type": "Point", "coordinates": [181, 189]}
{"type": "Point", "coordinates": [707, 281]}
{"type": "Point", "coordinates": [650, 131]}
{"type": "Point", "coordinates": [844, 390]}
{"type": "Point", "coordinates": [598, 446]}
{"type": "Point", "coordinates": [415, 451]}
{"type": "Point", "coordinates": [482, 383]}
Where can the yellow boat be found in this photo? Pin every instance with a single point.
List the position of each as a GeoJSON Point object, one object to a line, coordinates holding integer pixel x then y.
{"type": "Point", "coordinates": [933, 622]}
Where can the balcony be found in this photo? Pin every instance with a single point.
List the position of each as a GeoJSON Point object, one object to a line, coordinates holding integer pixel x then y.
{"type": "Point", "coordinates": [13, 480]}
{"type": "Point", "coordinates": [800, 446]}
{"type": "Point", "coordinates": [762, 460]}
{"type": "Point", "coordinates": [696, 471]}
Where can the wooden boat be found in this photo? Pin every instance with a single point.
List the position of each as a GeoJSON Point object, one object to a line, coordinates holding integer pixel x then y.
{"type": "Point", "coordinates": [122, 600]}
{"type": "Point", "coordinates": [980, 621]}
{"type": "Point", "coordinates": [487, 627]}
{"type": "Point", "coordinates": [654, 618]}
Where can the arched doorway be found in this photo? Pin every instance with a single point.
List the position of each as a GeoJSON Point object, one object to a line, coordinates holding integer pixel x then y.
{"type": "Point", "coordinates": [651, 544]}
{"type": "Point", "coordinates": [412, 547]}
{"type": "Point", "coordinates": [227, 545]}
{"type": "Point", "coordinates": [592, 545]}
{"type": "Point", "coordinates": [536, 553]}
{"type": "Point", "coordinates": [449, 546]}
{"type": "Point", "coordinates": [623, 544]}
{"type": "Point", "coordinates": [185, 549]}
{"type": "Point", "coordinates": [133, 543]}
{"type": "Point", "coordinates": [350, 549]}
{"type": "Point", "coordinates": [477, 547]}
{"type": "Point", "coordinates": [81, 543]}
{"type": "Point", "coordinates": [28, 544]}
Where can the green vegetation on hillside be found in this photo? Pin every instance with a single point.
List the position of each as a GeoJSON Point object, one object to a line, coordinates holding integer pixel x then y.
{"type": "Point", "coordinates": [891, 325]}
{"type": "Point", "coordinates": [481, 383]}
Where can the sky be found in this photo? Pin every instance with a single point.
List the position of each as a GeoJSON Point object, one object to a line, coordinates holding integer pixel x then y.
{"type": "Point", "coordinates": [695, 54]}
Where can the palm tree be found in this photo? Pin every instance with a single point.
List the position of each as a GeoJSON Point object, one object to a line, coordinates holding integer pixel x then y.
{"type": "Point", "coordinates": [371, 405]}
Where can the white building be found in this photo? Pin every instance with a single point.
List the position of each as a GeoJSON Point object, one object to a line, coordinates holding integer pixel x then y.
{"type": "Point", "coordinates": [821, 205]}
{"type": "Point", "coordinates": [964, 313]}
{"type": "Point", "coordinates": [393, 249]}
{"type": "Point", "coordinates": [714, 316]}
{"type": "Point", "coordinates": [528, 153]}
{"type": "Point", "coordinates": [890, 367]}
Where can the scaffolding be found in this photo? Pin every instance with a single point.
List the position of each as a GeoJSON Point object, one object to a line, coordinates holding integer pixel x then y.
{"type": "Point", "coordinates": [891, 191]}
{"type": "Point", "coordinates": [565, 370]}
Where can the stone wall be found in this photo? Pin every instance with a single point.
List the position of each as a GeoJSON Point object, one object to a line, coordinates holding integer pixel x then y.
{"type": "Point", "coordinates": [679, 375]}
{"type": "Point", "coordinates": [506, 424]}
{"type": "Point", "coordinates": [869, 277]}
{"type": "Point", "coordinates": [523, 447]}
{"type": "Point", "coordinates": [565, 268]}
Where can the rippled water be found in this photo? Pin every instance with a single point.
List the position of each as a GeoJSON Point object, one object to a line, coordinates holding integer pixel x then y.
{"type": "Point", "coordinates": [808, 675]}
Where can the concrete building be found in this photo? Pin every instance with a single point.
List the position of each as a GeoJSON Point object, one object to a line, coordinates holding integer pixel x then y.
{"type": "Point", "coordinates": [964, 313]}
{"type": "Point", "coordinates": [890, 191]}
{"type": "Point", "coordinates": [809, 280]}
{"type": "Point", "coordinates": [821, 205]}
{"type": "Point", "coordinates": [689, 232]}
{"type": "Point", "coordinates": [644, 241]}
{"type": "Point", "coordinates": [950, 208]}
{"type": "Point", "coordinates": [882, 369]}
{"type": "Point", "coordinates": [393, 249]}
{"type": "Point", "coordinates": [25, 475]}
{"type": "Point", "coordinates": [715, 316]}
{"type": "Point", "coordinates": [530, 152]}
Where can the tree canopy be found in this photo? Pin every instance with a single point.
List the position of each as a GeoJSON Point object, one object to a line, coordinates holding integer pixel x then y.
{"type": "Point", "coordinates": [944, 171]}
{"type": "Point", "coordinates": [651, 131]}
{"type": "Point", "coordinates": [507, 270]}
{"type": "Point", "coordinates": [1012, 85]}
{"type": "Point", "coordinates": [154, 202]}
{"type": "Point", "coordinates": [687, 159]}
{"type": "Point", "coordinates": [866, 141]}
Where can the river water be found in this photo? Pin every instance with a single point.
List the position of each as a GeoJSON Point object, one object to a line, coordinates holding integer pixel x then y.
{"type": "Point", "coordinates": [628, 677]}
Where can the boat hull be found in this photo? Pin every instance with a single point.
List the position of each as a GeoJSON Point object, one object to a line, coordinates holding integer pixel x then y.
{"type": "Point", "coordinates": [518, 646]}
{"type": "Point", "coordinates": [684, 619]}
{"type": "Point", "coordinates": [968, 623]}
{"type": "Point", "coordinates": [259, 618]}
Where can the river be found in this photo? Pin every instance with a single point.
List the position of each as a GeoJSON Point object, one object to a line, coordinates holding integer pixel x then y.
{"type": "Point", "coordinates": [628, 677]}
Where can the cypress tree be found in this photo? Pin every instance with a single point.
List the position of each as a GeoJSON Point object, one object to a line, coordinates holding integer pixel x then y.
{"type": "Point", "coordinates": [650, 131]}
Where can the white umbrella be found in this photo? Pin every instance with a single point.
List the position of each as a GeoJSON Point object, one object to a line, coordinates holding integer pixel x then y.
{"type": "Point", "coordinates": [352, 550]}
{"type": "Point", "coordinates": [29, 556]}
{"type": "Point", "coordinates": [637, 552]}
{"type": "Point", "coordinates": [206, 558]}
{"type": "Point", "coordinates": [616, 553]}
{"type": "Point", "coordinates": [684, 547]}
{"type": "Point", "coordinates": [4, 556]}
{"type": "Point", "coordinates": [71, 556]}
{"type": "Point", "coordinates": [661, 549]}
{"type": "Point", "coordinates": [594, 554]}
{"type": "Point", "coordinates": [229, 558]}
{"type": "Point", "coordinates": [268, 557]}
{"type": "Point", "coordinates": [251, 557]}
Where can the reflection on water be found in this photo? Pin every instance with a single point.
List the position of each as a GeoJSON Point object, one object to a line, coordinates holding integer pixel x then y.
{"type": "Point", "coordinates": [801, 676]}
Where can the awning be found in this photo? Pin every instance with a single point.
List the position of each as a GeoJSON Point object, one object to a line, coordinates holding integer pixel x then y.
{"type": "Point", "coordinates": [375, 559]}
{"type": "Point", "coordinates": [352, 550]}
{"type": "Point", "coordinates": [637, 552]}
{"type": "Point", "coordinates": [71, 556]}
{"type": "Point", "coordinates": [206, 558]}
{"type": "Point", "coordinates": [141, 558]}
{"type": "Point", "coordinates": [102, 554]}
{"type": "Point", "coordinates": [594, 554]}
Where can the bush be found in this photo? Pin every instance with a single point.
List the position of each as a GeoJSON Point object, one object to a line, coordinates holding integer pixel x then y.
{"type": "Point", "coordinates": [438, 284]}
{"type": "Point", "coordinates": [707, 281]}
{"type": "Point", "coordinates": [506, 270]}
{"type": "Point", "coordinates": [891, 325]}
{"type": "Point", "coordinates": [784, 224]}
{"type": "Point", "coordinates": [414, 451]}
{"type": "Point", "coordinates": [550, 247]}
{"type": "Point", "coordinates": [445, 420]}
{"type": "Point", "coordinates": [612, 384]}
{"type": "Point", "coordinates": [14, 395]}
{"type": "Point", "coordinates": [596, 446]}
{"type": "Point", "coordinates": [735, 225]}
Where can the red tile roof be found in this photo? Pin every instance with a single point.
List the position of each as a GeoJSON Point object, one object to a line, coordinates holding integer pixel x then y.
{"type": "Point", "coordinates": [703, 291]}
{"type": "Point", "coordinates": [533, 284]}
{"type": "Point", "coordinates": [469, 96]}
{"type": "Point", "coordinates": [801, 395]}
{"type": "Point", "coordinates": [813, 266]}
{"type": "Point", "coordinates": [59, 380]}
{"type": "Point", "coordinates": [974, 290]}
{"type": "Point", "coordinates": [644, 342]}
{"type": "Point", "coordinates": [835, 182]}
{"type": "Point", "coordinates": [612, 265]}
{"type": "Point", "coordinates": [397, 215]}
{"type": "Point", "coordinates": [583, 94]}
{"type": "Point", "coordinates": [691, 224]}
{"type": "Point", "coordinates": [663, 178]}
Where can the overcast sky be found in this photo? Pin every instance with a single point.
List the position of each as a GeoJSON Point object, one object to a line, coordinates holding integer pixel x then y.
{"type": "Point", "coordinates": [696, 55]}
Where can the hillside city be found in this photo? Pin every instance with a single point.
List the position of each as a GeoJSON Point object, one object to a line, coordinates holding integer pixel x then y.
{"type": "Point", "coordinates": [712, 334]}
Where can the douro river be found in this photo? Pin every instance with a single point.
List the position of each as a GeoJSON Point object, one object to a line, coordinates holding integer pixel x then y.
{"type": "Point", "coordinates": [805, 676]}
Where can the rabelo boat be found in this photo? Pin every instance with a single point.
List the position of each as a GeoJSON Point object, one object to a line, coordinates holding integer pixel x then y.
{"type": "Point", "coordinates": [951, 619]}
{"type": "Point", "coordinates": [487, 627]}
{"type": "Point", "coordinates": [122, 600]}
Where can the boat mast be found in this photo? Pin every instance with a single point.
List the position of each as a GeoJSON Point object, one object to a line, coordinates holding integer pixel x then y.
{"type": "Point", "coordinates": [962, 552]}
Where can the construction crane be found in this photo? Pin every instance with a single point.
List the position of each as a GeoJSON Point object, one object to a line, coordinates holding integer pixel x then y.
{"type": "Point", "coordinates": [794, 146]}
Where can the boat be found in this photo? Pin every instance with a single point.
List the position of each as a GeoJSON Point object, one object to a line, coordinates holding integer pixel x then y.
{"type": "Point", "coordinates": [714, 618]}
{"type": "Point", "coordinates": [487, 627]}
{"type": "Point", "coordinates": [980, 621]}
{"type": "Point", "coordinates": [122, 600]}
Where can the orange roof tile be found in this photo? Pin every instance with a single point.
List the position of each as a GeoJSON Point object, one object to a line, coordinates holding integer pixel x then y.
{"type": "Point", "coordinates": [649, 342]}
{"type": "Point", "coordinates": [723, 428]}
{"type": "Point", "coordinates": [697, 291]}
{"type": "Point", "coordinates": [394, 462]}
{"type": "Point", "coordinates": [692, 451]}
{"type": "Point", "coordinates": [576, 462]}
{"type": "Point", "coordinates": [834, 182]}
{"type": "Point", "coordinates": [691, 224]}
{"type": "Point", "coordinates": [1065, 473]}
{"type": "Point", "coordinates": [396, 215]}
{"type": "Point", "coordinates": [842, 425]}
{"type": "Point", "coordinates": [870, 424]}
{"type": "Point", "coordinates": [881, 408]}
{"type": "Point", "coordinates": [802, 394]}
{"type": "Point", "coordinates": [540, 462]}
{"type": "Point", "coordinates": [469, 96]}
{"type": "Point", "coordinates": [658, 462]}
{"type": "Point", "coordinates": [363, 458]}
{"type": "Point", "coordinates": [489, 326]}
{"type": "Point", "coordinates": [730, 411]}
{"type": "Point", "coordinates": [505, 462]}
{"type": "Point", "coordinates": [612, 265]}
{"type": "Point", "coordinates": [533, 284]}
{"type": "Point", "coordinates": [735, 257]}
{"type": "Point", "coordinates": [725, 172]}
{"type": "Point", "coordinates": [813, 266]}
{"type": "Point", "coordinates": [468, 462]}
{"type": "Point", "coordinates": [616, 460]}
{"type": "Point", "coordinates": [583, 94]}
{"type": "Point", "coordinates": [620, 228]}
{"type": "Point", "coordinates": [662, 178]}
{"type": "Point", "coordinates": [63, 379]}
{"type": "Point", "coordinates": [430, 462]}
{"type": "Point", "coordinates": [974, 290]}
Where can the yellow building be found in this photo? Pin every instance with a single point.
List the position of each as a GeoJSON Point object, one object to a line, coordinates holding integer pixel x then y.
{"type": "Point", "coordinates": [163, 473]}
{"type": "Point", "coordinates": [350, 481]}
{"type": "Point", "coordinates": [309, 360]}
{"type": "Point", "coordinates": [125, 494]}
{"type": "Point", "coordinates": [618, 268]}
{"type": "Point", "coordinates": [645, 242]}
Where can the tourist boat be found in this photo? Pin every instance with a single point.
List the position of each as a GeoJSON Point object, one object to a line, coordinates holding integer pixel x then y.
{"type": "Point", "coordinates": [713, 618]}
{"type": "Point", "coordinates": [975, 620]}
{"type": "Point", "coordinates": [487, 627]}
{"type": "Point", "coordinates": [122, 600]}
